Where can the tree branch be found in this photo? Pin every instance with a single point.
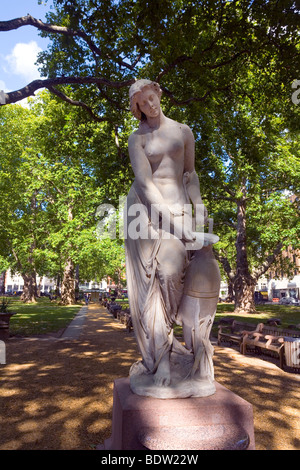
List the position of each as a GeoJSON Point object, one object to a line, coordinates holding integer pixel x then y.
{"type": "Point", "coordinates": [227, 223]}
{"type": "Point", "coordinates": [28, 90]}
{"type": "Point", "coordinates": [185, 58]}
{"type": "Point", "coordinates": [224, 198]}
{"type": "Point", "coordinates": [66, 98]}
{"type": "Point", "coordinates": [226, 265]}
{"type": "Point", "coordinates": [193, 98]}
{"type": "Point", "coordinates": [173, 64]}
{"type": "Point", "coordinates": [228, 61]}
{"type": "Point", "coordinates": [184, 102]}
{"type": "Point", "coordinates": [49, 28]}
{"type": "Point", "coordinates": [30, 21]}
{"type": "Point", "coordinates": [268, 262]}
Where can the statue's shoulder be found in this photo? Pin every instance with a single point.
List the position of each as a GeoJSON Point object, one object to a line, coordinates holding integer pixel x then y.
{"type": "Point", "coordinates": [186, 130]}
{"type": "Point", "coordinates": [184, 127]}
{"type": "Point", "coordinates": [135, 136]}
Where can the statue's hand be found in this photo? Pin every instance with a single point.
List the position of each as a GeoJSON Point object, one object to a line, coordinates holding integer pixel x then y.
{"type": "Point", "coordinates": [176, 210]}
{"type": "Point", "coordinates": [188, 235]}
{"type": "Point", "coordinates": [201, 214]}
{"type": "Point", "coordinates": [183, 229]}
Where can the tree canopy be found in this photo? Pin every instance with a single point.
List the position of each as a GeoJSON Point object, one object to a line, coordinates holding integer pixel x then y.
{"type": "Point", "coordinates": [50, 191]}
{"type": "Point", "coordinates": [226, 68]}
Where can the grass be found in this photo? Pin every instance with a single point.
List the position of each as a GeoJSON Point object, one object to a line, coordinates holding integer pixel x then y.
{"type": "Point", "coordinates": [48, 317]}
{"type": "Point", "coordinates": [40, 318]}
{"type": "Point", "coordinates": [288, 315]}
{"type": "Point", "coordinates": [123, 302]}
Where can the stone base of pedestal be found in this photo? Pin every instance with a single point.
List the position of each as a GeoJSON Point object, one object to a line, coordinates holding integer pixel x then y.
{"type": "Point", "coordinates": [223, 421]}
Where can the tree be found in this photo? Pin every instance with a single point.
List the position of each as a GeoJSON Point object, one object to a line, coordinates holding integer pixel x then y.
{"type": "Point", "coordinates": [21, 212]}
{"type": "Point", "coordinates": [106, 44]}
{"type": "Point", "coordinates": [228, 76]}
{"type": "Point", "coordinates": [254, 167]}
{"type": "Point", "coordinates": [50, 189]}
{"type": "Point", "coordinates": [71, 192]}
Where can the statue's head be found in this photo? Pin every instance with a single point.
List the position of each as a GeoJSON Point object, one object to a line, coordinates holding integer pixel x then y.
{"type": "Point", "coordinates": [137, 88]}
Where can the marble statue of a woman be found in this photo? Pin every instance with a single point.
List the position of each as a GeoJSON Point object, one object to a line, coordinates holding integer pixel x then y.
{"type": "Point", "coordinates": [157, 261]}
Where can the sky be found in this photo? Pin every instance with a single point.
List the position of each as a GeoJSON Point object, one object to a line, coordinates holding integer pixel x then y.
{"type": "Point", "coordinates": [19, 47]}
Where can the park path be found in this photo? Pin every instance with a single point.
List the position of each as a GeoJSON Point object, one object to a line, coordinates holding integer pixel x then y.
{"type": "Point", "coordinates": [56, 393]}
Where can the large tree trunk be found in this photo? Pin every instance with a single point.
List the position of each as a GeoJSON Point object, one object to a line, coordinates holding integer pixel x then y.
{"type": "Point", "coordinates": [230, 295]}
{"type": "Point", "coordinates": [28, 274]}
{"type": "Point", "coordinates": [244, 295]}
{"type": "Point", "coordinates": [30, 289]}
{"type": "Point", "coordinates": [2, 282]}
{"type": "Point", "coordinates": [230, 275]}
{"type": "Point", "coordinates": [244, 283]}
{"type": "Point", "coordinates": [77, 283]}
{"type": "Point", "coordinates": [57, 285]}
{"type": "Point", "coordinates": [68, 284]}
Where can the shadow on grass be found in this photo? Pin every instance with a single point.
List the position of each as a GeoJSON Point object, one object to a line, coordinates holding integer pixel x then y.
{"type": "Point", "coordinates": [273, 393]}
{"type": "Point", "coordinates": [40, 318]}
{"type": "Point", "coordinates": [58, 394]}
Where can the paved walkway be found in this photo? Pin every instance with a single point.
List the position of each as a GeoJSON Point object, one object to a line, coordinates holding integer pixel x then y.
{"type": "Point", "coordinates": [74, 329]}
{"type": "Point", "coordinates": [56, 393]}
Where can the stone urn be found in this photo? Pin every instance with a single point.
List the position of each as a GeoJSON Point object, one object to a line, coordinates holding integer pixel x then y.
{"type": "Point", "coordinates": [4, 325]}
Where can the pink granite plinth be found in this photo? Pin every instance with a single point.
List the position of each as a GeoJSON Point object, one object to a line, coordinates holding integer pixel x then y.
{"type": "Point", "coordinates": [223, 421]}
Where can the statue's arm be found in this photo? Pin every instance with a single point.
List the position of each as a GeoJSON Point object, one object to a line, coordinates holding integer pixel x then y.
{"type": "Point", "coordinates": [192, 185]}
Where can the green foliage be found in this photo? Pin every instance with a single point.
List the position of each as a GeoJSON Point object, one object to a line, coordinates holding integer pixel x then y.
{"type": "Point", "coordinates": [226, 69]}
{"type": "Point", "coordinates": [50, 206]}
{"type": "Point", "coordinates": [4, 305]}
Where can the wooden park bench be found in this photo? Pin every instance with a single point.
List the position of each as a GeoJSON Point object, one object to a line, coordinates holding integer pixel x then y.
{"type": "Point", "coordinates": [125, 318]}
{"type": "Point", "coordinates": [123, 315]}
{"type": "Point", "coordinates": [114, 308]}
{"type": "Point", "coordinates": [269, 338]}
{"type": "Point", "coordinates": [234, 331]}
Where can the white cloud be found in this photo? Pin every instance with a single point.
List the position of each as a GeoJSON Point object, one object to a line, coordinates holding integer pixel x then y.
{"type": "Point", "coordinates": [22, 60]}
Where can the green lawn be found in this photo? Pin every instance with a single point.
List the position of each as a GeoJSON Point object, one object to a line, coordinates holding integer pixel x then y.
{"type": "Point", "coordinates": [47, 317]}
{"type": "Point", "coordinates": [43, 317]}
{"type": "Point", "coordinates": [287, 314]}
{"type": "Point", "coordinates": [123, 302]}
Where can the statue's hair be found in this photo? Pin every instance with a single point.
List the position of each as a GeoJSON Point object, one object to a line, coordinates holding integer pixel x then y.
{"type": "Point", "coordinates": [137, 87]}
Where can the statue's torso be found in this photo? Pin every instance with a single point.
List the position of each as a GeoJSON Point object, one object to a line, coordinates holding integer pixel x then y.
{"type": "Point", "coordinates": [164, 148]}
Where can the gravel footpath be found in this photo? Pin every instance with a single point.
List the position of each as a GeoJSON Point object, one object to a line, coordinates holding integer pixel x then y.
{"type": "Point", "coordinates": [56, 392]}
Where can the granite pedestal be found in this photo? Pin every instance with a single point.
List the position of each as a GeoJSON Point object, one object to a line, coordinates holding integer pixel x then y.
{"type": "Point", "coordinates": [223, 421]}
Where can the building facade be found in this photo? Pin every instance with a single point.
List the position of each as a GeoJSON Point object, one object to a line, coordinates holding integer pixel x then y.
{"type": "Point", "coordinates": [14, 283]}
{"type": "Point", "coordinates": [11, 283]}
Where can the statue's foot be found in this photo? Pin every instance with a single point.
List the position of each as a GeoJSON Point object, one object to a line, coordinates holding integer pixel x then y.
{"type": "Point", "coordinates": [162, 376]}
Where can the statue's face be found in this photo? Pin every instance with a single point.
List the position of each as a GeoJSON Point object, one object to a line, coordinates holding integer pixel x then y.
{"type": "Point", "coordinates": [149, 102]}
